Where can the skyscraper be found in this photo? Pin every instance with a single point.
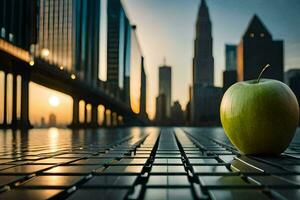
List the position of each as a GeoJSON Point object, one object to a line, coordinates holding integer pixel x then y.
{"type": "Point", "coordinates": [230, 54]}
{"type": "Point", "coordinates": [230, 73]}
{"type": "Point", "coordinates": [177, 115]}
{"type": "Point", "coordinates": [69, 36]}
{"type": "Point", "coordinates": [143, 91]}
{"type": "Point", "coordinates": [229, 78]}
{"type": "Point", "coordinates": [86, 39]}
{"type": "Point", "coordinates": [203, 62]}
{"type": "Point", "coordinates": [205, 97]}
{"type": "Point", "coordinates": [160, 114]}
{"type": "Point", "coordinates": [118, 45]}
{"type": "Point", "coordinates": [165, 86]}
{"type": "Point", "coordinates": [256, 49]}
{"type": "Point", "coordinates": [52, 120]}
{"type": "Point", "coordinates": [56, 27]}
{"type": "Point", "coordinates": [124, 56]}
{"type": "Point", "coordinates": [292, 79]}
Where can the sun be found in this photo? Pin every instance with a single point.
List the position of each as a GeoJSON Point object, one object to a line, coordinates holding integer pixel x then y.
{"type": "Point", "coordinates": [54, 101]}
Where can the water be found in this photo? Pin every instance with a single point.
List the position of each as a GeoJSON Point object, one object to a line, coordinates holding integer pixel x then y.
{"type": "Point", "coordinates": [53, 137]}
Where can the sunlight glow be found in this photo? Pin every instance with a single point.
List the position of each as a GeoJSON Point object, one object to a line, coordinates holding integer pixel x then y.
{"type": "Point", "coordinates": [54, 101]}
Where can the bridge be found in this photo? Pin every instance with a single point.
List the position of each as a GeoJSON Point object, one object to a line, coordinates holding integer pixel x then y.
{"type": "Point", "coordinates": [25, 68]}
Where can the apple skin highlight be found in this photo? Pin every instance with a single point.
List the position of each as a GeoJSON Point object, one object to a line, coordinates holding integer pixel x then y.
{"type": "Point", "coordinates": [260, 117]}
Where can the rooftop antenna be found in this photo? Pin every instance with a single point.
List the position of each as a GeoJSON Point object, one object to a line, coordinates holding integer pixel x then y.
{"type": "Point", "coordinates": [164, 61]}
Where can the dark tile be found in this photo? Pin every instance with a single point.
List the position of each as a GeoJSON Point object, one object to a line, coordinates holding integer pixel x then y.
{"type": "Point", "coordinates": [3, 161]}
{"type": "Point", "coordinates": [132, 161]}
{"type": "Point", "coordinates": [211, 170]}
{"type": "Point", "coordinates": [122, 170]}
{"type": "Point", "coordinates": [111, 181]}
{"type": "Point", "coordinates": [73, 169]}
{"type": "Point", "coordinates": [8, 179]}
{"type": "Point", "coordinates": [292, 178]}
{"type": "Point", "coordinates": [237, 194]}
{"type": "Point", "coordinates": [195, 161]}
{"type": "Point", "coordinates": [53, 161]}
{"type": "Point", "coordinates": [99, 194]}
{"type": "Point", "coordinates": [286, 193]}
{"type": "Point", "coordinates": [5, 166]}
{"type": "Point", "coordinates": [73, 155]}
{"type": "Point", "coordinates": [223, 181]}
{"type": "Point", "coordinates": [32, 194]}
{"type": "Point", "coordinates": [167, 169]}
{"type": "Point", "coordinates": [168, 194]}
{"type": "Point", "coordinates": [170, 161]}
{"type": "Point", "coordinates": [52, 181]}
{"type": "Point", "coordinates": [293, 168]}
{"type": "Point", "coordinates": [93, 161]}
{"type": "Point", "coordinates": [163, 180]}
{"type": "Point", "coordinates": [268, 180]}
{"type": "Point", "coordinates": [25, 169]}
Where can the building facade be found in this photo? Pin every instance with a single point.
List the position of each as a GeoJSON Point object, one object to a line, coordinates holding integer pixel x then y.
{"type": "Point", "coordinates": [86, 39]}
{"type": "Point", "coordinates": [13, 15]}
{"type": "Point", "coordinates": [165, 86]}
{"type": "Point", "coordinates": [229, 78]}
{"type": "Point", "coordinates": [118, 46]}
{"type": "Point", "coordinates": [161, 110]}
{"type": "Point", "coordinates": [230, 57]}
{"type": "Point", "coordinates": [292, 79]}
{"type": "Point", "coordinates": [208, 112]}
{"type": "Point", "coordinates": [257, 49]}
{"type": "Point", "coordinates": [177, 114]}
{"type": "Point", "coordinates": [69, 36]}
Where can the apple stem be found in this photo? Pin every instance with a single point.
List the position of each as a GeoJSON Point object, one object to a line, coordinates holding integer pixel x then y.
{"type": "Point", "coordinates": [262, 71]}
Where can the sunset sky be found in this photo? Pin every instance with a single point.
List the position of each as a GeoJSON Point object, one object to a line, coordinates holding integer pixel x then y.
{"type": "Point", "coordinates": [167, 29]}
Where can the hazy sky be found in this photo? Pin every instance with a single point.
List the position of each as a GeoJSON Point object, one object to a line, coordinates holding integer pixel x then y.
{"type": "Point", "coordinates": [167, 28]}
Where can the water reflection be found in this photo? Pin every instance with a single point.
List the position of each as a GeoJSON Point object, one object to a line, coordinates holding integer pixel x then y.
{"type": "Point", "coordinates": [20, 143]}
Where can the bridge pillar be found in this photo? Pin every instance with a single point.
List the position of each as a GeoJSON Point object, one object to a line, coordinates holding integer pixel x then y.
{"type": "Point", "coordinates": [114, 119]}
{"type": "Point", "coordinates": [94, 121]}
{"type": "Point", "coordinates": [108, 117]}
{"type": "Point", "coordinates": [14, 122]}
{"type": "Point", "coordinates": [75, 117]}
{"type": "Point", "coordinates": [85, 114]}
{"type": "Point", "coordinates": [104, 118]}
{"type": "Point", "coordinates": [5, 101]}
{"type": "Point", "coordinates": [24, 122]}
{"type": "Point", "coordinates": [120, 120]}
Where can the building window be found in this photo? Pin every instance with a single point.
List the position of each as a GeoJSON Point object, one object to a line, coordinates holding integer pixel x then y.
{"type": "Point", "coordinates": [11, 37]}
{"type": "Point", "coordinates": [3, 32]}
{"type": "Point", "coordinates": [262, 35]}
{"type": "Point", "coordinates": [252, 35]}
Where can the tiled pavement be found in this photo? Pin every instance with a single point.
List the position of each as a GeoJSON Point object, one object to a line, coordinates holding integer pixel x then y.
{"type": "Point", "coordinates": [141, 163]}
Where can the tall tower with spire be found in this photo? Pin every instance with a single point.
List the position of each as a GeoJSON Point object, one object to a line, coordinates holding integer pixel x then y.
{"type": "Point", "coordinates": [205, 97]}
{"type": "Point", "coordinates": [203, 62]}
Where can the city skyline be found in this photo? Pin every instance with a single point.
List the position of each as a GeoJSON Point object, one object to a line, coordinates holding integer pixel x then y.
{"type": "Point", "coordinates": [173, 45]}
{"type": "Point", "coordinates": [175, 21]}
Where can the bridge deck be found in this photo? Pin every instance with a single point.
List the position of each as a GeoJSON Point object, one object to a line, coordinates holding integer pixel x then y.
{"type": "Point", "coordinates": [141, 163]}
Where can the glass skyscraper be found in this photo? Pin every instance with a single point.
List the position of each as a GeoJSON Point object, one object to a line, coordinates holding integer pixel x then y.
{"type": "Point", "coordinates": [69, 36]}
{"type": "Point", "coordinates": [124, 56]}
{"type": "Point", "coordinates": [55, 29]}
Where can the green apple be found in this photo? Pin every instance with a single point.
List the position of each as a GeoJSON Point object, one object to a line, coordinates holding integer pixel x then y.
{"type": "Point", "coordinates": [260, 116]}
